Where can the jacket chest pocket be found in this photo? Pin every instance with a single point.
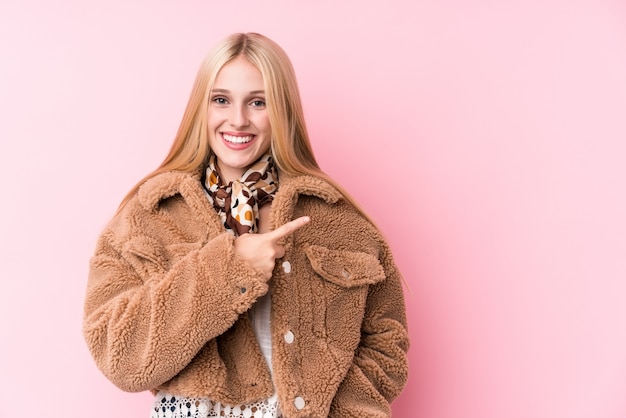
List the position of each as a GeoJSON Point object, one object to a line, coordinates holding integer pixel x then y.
{"type": "Point", "coordinates": [340, 287]}
{"type": "Point", "coordinates": [149, 256]}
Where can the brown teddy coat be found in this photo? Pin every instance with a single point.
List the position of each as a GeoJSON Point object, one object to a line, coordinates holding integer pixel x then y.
{"type": "Point", "coordinates": [167, 300]}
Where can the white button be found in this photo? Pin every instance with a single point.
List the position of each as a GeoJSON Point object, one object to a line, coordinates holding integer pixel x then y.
{"type": "Point", "coordinates": [299, 403]}
{"type": "Point", "coordinates": [289, 337]}
{"type": "Point", "coordinates": [345, 273]}
{"type": "Point", "coordinates": [287, 267]}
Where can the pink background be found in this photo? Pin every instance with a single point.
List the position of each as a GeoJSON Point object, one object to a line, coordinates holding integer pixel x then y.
{"type": "Point", "coordinates": [493, 133]}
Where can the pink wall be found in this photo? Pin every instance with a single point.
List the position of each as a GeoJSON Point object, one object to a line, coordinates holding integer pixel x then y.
{"type": "Point", "coordinates": [497, 127]}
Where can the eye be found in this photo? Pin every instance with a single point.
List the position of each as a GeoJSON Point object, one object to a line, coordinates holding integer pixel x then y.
{"type": "Point", "coordinates": [219, 100]}
{"type": "Point", "coordinates": [258, 103]}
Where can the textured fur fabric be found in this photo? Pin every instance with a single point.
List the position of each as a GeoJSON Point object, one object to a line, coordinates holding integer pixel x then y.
{"type": "Point", "coordinates": [167, 301]}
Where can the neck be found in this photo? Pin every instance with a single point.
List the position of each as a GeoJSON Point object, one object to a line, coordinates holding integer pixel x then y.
{"type": "Point", "coordinates": [229, 174]}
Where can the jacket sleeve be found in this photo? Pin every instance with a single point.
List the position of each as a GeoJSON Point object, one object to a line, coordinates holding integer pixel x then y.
{"type": "Point", "coordinates": [379, 369]}
{"type": "Point", "coordinates": [144, 323]}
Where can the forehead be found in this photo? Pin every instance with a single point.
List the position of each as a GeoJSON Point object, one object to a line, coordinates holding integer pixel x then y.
{"type": "Point", "coordinates": [239, 74]}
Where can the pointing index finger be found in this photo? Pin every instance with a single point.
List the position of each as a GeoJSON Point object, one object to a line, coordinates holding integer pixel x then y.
{"type": "Point", "coordinates": [289, 228]}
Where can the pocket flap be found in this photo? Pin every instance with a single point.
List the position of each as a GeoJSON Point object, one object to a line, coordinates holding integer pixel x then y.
{"type": "Point", "coordinates": [147, 248]}
{"type": "Point", "coordinates": [152, 250]}
{"type": "Point", "coordinates": [345, 268]}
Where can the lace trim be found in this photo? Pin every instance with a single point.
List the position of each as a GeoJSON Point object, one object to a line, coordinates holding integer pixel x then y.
{"type": "Point", "coordinates": [170, 406]}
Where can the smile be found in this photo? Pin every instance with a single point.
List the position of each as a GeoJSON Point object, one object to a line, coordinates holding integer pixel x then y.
{"type": "Point", "coordinates": [237, 139]}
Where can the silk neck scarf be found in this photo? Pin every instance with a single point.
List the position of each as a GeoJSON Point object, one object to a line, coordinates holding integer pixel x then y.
{"type": "Point", "coordinates": [238, 202]}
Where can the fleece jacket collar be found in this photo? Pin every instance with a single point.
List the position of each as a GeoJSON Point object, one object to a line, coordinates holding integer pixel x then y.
{"type": "Point", "coordinates": [166, 185]}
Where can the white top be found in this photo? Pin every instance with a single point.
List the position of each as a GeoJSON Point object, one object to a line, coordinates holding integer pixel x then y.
{"type": "Point", "coordinates": [260, 317]}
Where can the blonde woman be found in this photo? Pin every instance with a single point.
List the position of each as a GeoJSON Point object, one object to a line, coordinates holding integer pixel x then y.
{"type": "Point", "coordinates": [239, 280]}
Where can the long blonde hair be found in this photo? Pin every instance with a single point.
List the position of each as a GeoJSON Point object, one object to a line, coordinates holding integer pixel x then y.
{"type": "Point", "coordinates": [290, 145]}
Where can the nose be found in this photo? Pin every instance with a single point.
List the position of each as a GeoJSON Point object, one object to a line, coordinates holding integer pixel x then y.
{"type": "Point", "coordinates": [238, 116]}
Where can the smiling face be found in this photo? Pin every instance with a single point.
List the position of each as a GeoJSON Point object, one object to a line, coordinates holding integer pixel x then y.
{"type": "Point", "coordinates": [238, 123]}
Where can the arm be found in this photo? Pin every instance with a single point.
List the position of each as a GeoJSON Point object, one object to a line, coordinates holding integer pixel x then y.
{"type": "Point", "coordinates": [144, 324]}
{"type": "Point", "coordinates": [380, 367]}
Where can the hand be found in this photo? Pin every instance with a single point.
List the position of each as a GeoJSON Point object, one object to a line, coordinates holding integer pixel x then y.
{"type": "Point", "coordinates": [262, 250]}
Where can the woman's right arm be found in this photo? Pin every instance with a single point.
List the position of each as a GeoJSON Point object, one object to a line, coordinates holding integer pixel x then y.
{"type": "Point", "coordinates": [144, 323]}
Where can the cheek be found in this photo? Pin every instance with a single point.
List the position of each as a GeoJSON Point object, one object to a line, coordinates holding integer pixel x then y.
{"type": "Point", "coordinates": [212, 124]}
{"type": "Point", "coordinates": [210, 120]}
{"type": "Point", "coordinates": [267, 129]}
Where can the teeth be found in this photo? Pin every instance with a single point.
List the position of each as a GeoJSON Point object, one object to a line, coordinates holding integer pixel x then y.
{"type": "Point", "coordinates": [237, 139]}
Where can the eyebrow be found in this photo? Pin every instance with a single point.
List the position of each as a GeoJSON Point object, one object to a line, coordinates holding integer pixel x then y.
{"type": "Point", "coordinates": [224, 91]}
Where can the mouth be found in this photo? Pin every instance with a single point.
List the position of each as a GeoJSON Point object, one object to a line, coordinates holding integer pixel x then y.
{"type": "Point", "coordinates": [237, 139]}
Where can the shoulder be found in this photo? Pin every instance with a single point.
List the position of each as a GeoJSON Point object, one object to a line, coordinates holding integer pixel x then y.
{"type": "Point", "coordinates": [171, 189]}
{"type": "Point", "coordinates": [153, 192]}
{"type": "Point", "coordinates": [306, 185]}
{"type": "Point", "coordinates": [166, 185]}
{"type": "Point", "coordinates": [306, 195]}
{"type": "Point", "coordinates": [335, 222]}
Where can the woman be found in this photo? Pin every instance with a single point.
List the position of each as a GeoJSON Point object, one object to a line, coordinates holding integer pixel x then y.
{"type": "Point", "coordinates": [237, 279]}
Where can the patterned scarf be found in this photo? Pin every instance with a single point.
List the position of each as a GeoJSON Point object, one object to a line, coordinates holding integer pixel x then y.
{"type": "Point", "coordinates": [239, 201]}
